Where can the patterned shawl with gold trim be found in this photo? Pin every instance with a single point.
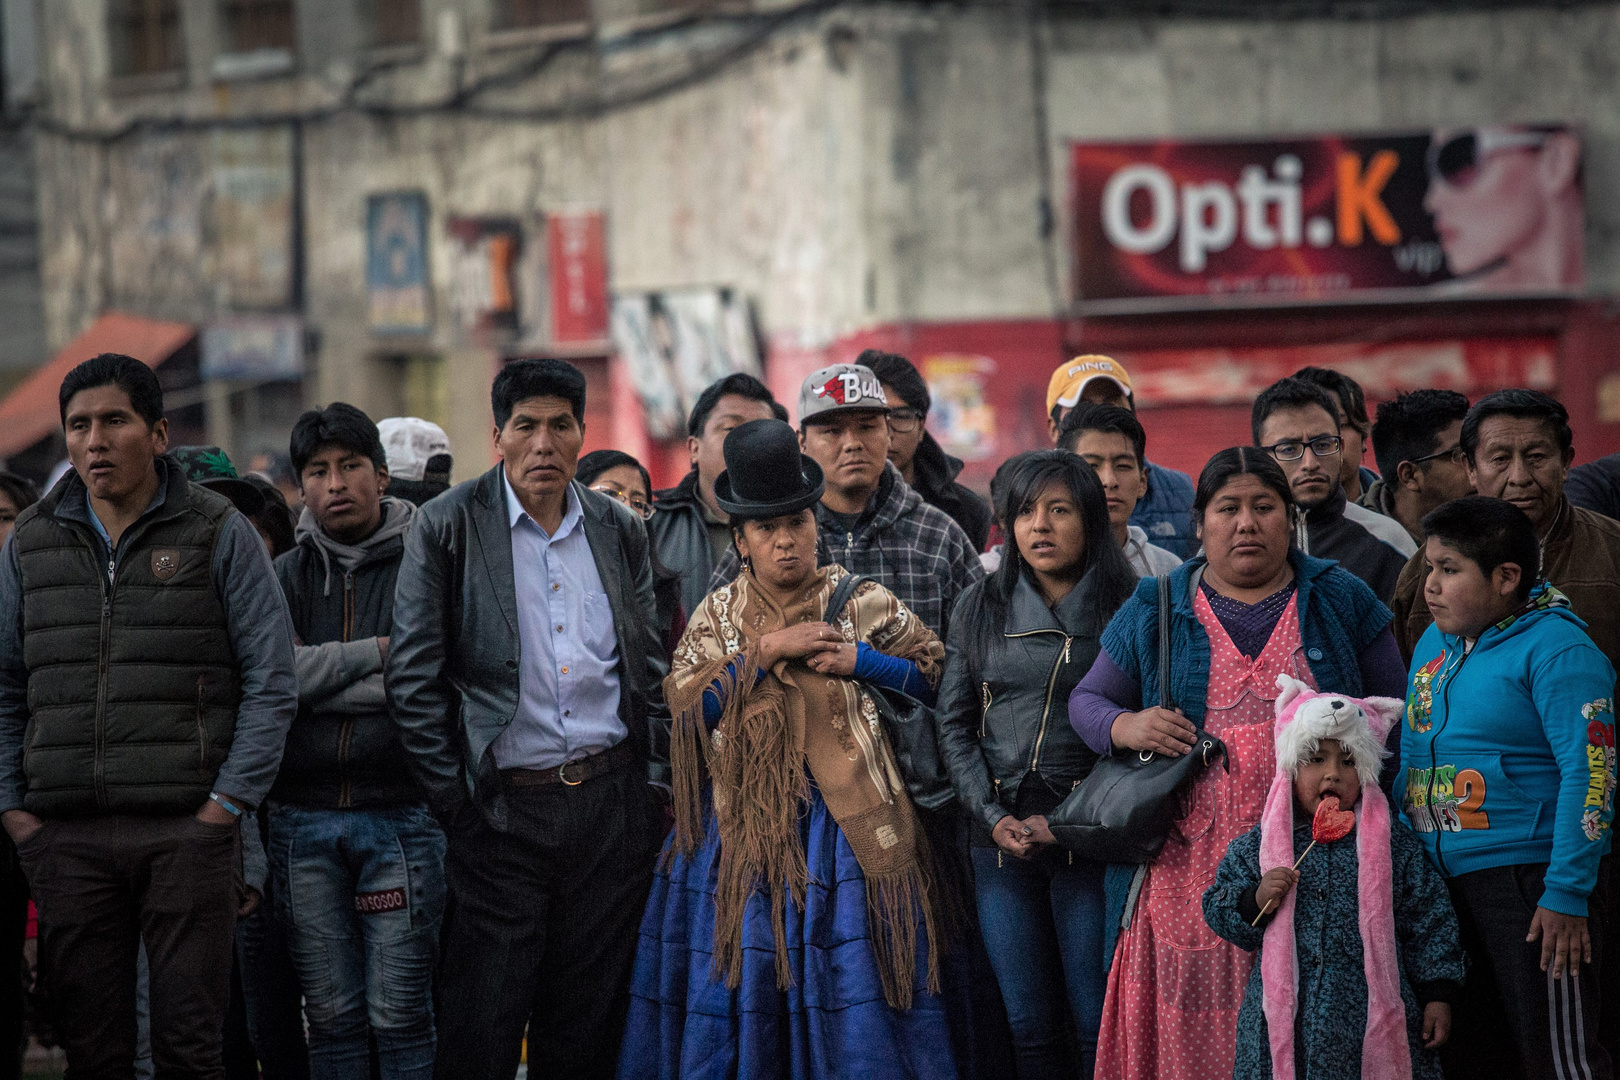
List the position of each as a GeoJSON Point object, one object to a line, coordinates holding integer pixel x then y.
{"type": "Point", "coordinates": [775, 736]}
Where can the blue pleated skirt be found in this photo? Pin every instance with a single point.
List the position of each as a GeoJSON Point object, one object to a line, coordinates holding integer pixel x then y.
{"type": "Point", "coordinates": [685, 1024]}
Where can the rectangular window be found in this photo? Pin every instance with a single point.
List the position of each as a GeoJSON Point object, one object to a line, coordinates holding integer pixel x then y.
{"type": "Point", "coordinates": [391, 22]}
{"type": "Point", "coordinates": [145, 37]}
{"type": "Point", "coordinates": [518, 14]}
{"type": "Point", "coordinates": [256, 25]}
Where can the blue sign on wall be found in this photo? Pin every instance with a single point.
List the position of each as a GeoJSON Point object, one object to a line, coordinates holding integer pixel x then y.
{"type": "Point", "coordinates": [396, 262]}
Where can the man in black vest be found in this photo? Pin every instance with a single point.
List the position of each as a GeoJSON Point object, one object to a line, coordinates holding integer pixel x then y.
{"type": "Point", "coordinates": [524, 673]}
{"type": "Point", "coordinates": [146, 687]}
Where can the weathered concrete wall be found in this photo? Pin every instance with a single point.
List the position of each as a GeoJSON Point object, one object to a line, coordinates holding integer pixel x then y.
{"type": "Point", "coordinates": [21, 314]}
{"type": "Point", "coordinates": [885, 163]}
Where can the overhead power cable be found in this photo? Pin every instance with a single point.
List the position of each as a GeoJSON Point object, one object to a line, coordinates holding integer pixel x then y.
{"type": "Point", "coordinates": [465, 100]}
{"type": "Point", "coordinates": [758, 30]}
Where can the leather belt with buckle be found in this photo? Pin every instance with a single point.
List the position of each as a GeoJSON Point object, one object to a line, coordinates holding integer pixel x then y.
{"type": "Point", "coordinates": [574, 773]}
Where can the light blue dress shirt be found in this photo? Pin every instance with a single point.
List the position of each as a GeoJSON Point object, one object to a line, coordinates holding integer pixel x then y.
{"type": "Point", "coordinates": [568, 680]}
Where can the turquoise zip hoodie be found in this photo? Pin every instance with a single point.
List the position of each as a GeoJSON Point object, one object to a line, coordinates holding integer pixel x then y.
{"type": "Point", "coordinates": [1507, 749]}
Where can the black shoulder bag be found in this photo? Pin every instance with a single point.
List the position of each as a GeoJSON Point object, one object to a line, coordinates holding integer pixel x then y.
{"type": "Point", "coordinates": [1123, 811]}
{"type": "Point", "coordinates": [908, 722]}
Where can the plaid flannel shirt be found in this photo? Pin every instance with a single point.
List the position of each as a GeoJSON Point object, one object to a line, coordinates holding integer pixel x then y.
{"type": "Point", "coordinates": [909, 547]}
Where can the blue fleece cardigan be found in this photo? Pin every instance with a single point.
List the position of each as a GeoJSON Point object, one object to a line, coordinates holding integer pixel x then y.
{"type": "Point", "coordinates": [1339, 617]}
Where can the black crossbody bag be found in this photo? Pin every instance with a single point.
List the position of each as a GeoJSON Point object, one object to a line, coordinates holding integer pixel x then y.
{"type": "Point", "coordinates": [908, 722]}
{"type": "Point", "coordinates": [1124, 810]}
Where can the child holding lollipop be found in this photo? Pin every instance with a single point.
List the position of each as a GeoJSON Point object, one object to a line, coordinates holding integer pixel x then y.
{"type": "Point", "coordinates": [1359, 953]}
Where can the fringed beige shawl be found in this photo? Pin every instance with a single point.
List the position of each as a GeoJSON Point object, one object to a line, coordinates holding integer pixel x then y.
{"type": "Point", "coordinates": [757, 758]}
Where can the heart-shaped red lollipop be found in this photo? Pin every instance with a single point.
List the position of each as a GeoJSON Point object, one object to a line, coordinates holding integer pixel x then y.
{"type": "Point", "coordinates": [1331, 823]}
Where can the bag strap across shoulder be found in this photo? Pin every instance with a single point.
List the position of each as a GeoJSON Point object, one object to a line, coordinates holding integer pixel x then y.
{"type": "Point", "coordinates": [842, 594]}
{"type": "Point", "coordinates": [1165, 701]}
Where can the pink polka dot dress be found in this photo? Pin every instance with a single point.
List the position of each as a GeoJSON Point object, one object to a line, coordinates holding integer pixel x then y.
{"type": "Point", "coordinates": [1174, 989]}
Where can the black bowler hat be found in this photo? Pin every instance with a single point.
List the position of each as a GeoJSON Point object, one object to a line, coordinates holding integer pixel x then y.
{"type": "Point", "coordinates": [765, 475]}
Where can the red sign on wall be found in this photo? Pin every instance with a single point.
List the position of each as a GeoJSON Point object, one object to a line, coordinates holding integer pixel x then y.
{"type": "Point", "coordinates": [576, 244]}
{"type": "Point", "coordinates": [1494, 210]}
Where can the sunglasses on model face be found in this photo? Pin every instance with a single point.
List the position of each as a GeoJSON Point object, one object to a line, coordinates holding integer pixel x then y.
{"type": "Point", "coordinates": [1457, 160]}
{"type": "Point", "coordinates": [635, 502]}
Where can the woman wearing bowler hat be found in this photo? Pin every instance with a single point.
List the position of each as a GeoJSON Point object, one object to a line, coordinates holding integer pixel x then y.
{"type": "Point", "coordinates": [792, 929]}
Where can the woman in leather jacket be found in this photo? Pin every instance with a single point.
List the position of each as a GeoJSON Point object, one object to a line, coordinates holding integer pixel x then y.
{"type": "Point", "coordinates": [1019, 642]}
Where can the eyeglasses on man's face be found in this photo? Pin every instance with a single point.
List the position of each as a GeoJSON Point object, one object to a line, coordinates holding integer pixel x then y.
{"type": "Point", "coordinates": [1294, 449]}
{"type": "Point", "coordinates": [904, 421]}
{"type": "Point", "coordinates": [634, 502]}
{"type": "Point", "coordinates": [1455, 455]}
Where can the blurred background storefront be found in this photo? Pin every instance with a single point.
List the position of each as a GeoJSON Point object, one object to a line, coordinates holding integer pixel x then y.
{"type": "Point", "coordinates": [381, 201]}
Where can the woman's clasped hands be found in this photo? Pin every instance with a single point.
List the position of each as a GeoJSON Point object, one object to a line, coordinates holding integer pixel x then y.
{"type": "Point", "coordinates": [1022, 838]}
{"type": "Point", "coordinates": [821, 648]}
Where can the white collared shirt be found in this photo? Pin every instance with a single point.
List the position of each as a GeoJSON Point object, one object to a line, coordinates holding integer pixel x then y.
{"type": "Point", "coordinates": [568, 680]}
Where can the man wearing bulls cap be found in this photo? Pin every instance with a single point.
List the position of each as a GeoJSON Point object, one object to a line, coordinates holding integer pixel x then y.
{"type": "Point", "coordinates": [871, 521]}
{"type": "Point", "coordinates": [1165, 511]}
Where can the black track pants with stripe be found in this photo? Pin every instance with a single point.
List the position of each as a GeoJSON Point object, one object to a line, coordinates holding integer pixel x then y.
{"type": "Point", "coordinates": [1515, 1020]}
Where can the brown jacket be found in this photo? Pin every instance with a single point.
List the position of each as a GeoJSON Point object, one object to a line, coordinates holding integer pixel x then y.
{"type": "Point", "coordinates": [1580, 556]}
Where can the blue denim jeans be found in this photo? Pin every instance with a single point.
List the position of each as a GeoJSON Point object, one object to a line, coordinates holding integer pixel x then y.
{"type": "Point", "coordinates": [1043, 927]}
{"type": "Point", "coordinates": [361, 895]}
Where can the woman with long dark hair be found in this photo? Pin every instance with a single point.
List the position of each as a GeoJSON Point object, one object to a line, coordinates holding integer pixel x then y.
{"type": "Point", "coordinates": [1251, 607]}
{"type": "Point", "coordinates": [1019, 642]}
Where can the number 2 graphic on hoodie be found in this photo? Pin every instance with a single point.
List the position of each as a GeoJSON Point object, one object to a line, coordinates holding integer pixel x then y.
{"type": "Point", "coordinates": [1508, 750]}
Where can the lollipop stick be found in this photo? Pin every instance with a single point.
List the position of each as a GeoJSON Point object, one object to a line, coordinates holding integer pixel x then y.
{"type": "Point", "coordinates": [1297, 861]}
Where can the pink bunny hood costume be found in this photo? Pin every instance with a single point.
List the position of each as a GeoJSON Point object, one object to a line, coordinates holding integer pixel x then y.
{"type": "Point", "coordinates": [1304, 718]}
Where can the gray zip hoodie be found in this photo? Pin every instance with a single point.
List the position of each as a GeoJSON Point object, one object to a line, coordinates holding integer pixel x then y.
{"type": "Point", "coordinates": [346, 676]}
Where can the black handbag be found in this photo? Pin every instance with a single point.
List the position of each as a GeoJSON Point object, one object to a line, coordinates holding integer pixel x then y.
{"type": "Point", "coordinates": [908, 722]}
{"type": "Point", "coordinates": [1124, 810]}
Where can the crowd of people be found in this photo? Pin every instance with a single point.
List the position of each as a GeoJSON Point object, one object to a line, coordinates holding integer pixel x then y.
{"type": "Point", "coordinates": [762, 775]}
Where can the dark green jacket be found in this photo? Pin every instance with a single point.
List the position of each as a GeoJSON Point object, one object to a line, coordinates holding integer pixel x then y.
{"type": "Point", "coordinates": [132, 684]}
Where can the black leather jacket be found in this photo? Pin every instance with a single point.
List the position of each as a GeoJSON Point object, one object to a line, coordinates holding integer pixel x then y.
{"type": "Point", "coordinates": [935, 474]}
{"type": "Point", "coordinates": [1004, 717]}
{"type": "Point", "coordinates": [453, 658]}
{"type": "Point", "coordinates": [680, 539]}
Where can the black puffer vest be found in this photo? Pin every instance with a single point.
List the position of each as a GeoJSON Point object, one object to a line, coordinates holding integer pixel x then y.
{"type": "Point", "coordinates": [132, 686]}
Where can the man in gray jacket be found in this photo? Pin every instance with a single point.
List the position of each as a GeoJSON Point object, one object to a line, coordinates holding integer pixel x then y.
{"type": "Point", "coordinates": [146, 686]}
{"type": "Point", "coordinates": [524, 673]}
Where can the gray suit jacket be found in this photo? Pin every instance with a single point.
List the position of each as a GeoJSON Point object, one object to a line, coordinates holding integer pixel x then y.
{"type": "Point", "coordinates": [452, 670]}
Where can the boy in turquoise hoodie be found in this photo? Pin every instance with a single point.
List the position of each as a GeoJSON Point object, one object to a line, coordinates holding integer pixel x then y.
{"type": "Point", "coordinates": [1508, 775]}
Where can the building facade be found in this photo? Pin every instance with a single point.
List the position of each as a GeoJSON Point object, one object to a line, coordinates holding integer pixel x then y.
{"type": "Point", "coordinates": [380, 201]}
